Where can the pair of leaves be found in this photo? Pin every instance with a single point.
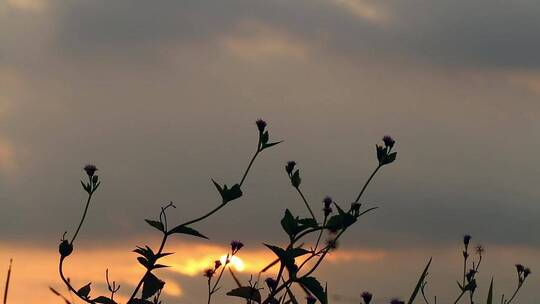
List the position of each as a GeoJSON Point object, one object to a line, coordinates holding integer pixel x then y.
{"type": "Point", "coordinates": [148, 258]}
{"type": "Point", "coordinates": [293, 226]}
{"type": "Point", "coordinates": [227, 194]}
{"type": "Point", "coordinates": [340, 221]}
{"type": "Point", "coordinates": [383, 157]}
{"type": "Point", "coordinates": [311, 284]}
{"type": "Point", "coordinates": [246, 292]}
{"type": "Point", "coordinates": [286, 257]}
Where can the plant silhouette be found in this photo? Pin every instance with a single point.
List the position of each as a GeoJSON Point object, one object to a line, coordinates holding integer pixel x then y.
{"type": "Point", "coordinates": [297, 261]}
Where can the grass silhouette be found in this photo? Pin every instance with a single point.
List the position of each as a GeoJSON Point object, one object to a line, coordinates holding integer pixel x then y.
{"type": "Point", "coordinates": [297, 261]}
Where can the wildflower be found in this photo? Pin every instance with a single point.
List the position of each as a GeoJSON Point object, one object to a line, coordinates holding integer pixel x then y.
{"type": "Point", "coordinates": [388, 141]}
{"type": "Point", "coordinates": [366, 296]}
{"type": "Point", "coordinates": [209, 273]}
{"type": "Point", "coordinates": [327, 201]}
{"type": "Point", "coordinates": [90, 170]}
{"type": "Point", "coordinates": [290, 166]}
{"type": "Point", "coordinates": [236, 246]}
{"type": "Point", "coordinates": [526, 272]}
{"type": "Point", "coordinates": [470, 275]}
{"type": "Point", "coordinates": [311, 299]}
{"type": "Point", "coordinates": [396, 301]}
{"type": "Point", "coordinates": [480, 249]}
{"type": "Point", "coordinates": [272, 284]}
{"type": "Point", "coordinates": [261, 125]}
{"type": "Point", "coordinates": [217, 264]}
{"type": "Point", "coordinates": [355, 208]}
{"type": "Point", "coordinates": [520, 268]}
{"type": "Point", "coordinates": [466, 240]}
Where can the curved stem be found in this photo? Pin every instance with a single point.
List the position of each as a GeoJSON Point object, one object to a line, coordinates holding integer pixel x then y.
{"type": "Point", "coordinates": [82, 218]}
{"type": "Point", "coordinates": [251, 162]}
{"type": "Point", "coordinates": [367, 183]}
{"type": "Point", "coordinates": [68, 284]}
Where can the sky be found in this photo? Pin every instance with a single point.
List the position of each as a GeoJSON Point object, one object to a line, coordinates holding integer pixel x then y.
{"type": "Point", "coordinates": [162, 96]}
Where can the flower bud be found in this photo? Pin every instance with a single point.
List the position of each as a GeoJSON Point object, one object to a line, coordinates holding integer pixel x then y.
{"type": "Point", "coordinates": [90, 169]}
{"type": "Point", "coordinates": [65, 248]}
{"type": "Point", "coordinates": [261, 125]}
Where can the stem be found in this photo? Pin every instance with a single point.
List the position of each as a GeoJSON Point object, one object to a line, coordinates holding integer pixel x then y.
{"type": "Point", "coordinates": [515, 293]}
{"type": "Point", "coordinates": [459, 297]}
{"type": "Point", "coordinates": [68, 284]}
{"type": "Point", "coordinates": [83, 217]}
{"type": "Point", "coordinates": [7, 282]}
{"type": "Point", "coordinates": [320, 234]}
{"type": "Point", "coordinates": [251, 162]}
{"type": "Point", "coordinates": [305, 202]}
{"type": "Point", "coordinates": [367, 183]}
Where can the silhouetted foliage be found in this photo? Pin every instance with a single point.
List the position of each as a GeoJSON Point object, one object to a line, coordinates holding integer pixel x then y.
{"type": "Point", "coordinates": [297, 262]}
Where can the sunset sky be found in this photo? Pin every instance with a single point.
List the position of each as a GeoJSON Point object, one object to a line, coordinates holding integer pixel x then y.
{"type": "Point", "coordinates": [162, 96]}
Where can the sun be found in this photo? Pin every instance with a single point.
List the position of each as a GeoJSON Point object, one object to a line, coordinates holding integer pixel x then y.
{"type": "Point", "coordinates": [235, 262]}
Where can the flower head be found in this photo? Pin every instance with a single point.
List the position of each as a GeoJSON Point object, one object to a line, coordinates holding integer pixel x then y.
{"type": "Point", "coordinates": [466, 239]}
{"type": "Point", "coordinates": [327, 201]}
{"type": "Point", "coordinates": [290, 166]}
{"type": "Point", "coordinates": [311, 299]}
{"type": "Point", "coordinates": [526, 272]}
{"type": "Point", "coordinates": [388, 141]}
{"type": "Point", "coordinates": [520, 268]}
{"type": "Point", "coordinates": [90, 169]}
{"type": "Point", "coordinates": [209, 273]}
{"type": "Point", "coordinates": [261, 125]}
{"type": "Point", "coordinates": [366, 296]}
{"type": "Point", "coordinates": [479, 249]}
{"type": "Point", "coordinates": [236, 246]}
{"type": "Point", "coordinates": [272, 284]}
{"type": "Point", "coordinates": [217, 264]}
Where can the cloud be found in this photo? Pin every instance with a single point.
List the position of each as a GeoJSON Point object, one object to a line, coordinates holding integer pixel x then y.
{"type": "Point", "coordinates": [367, 10]}
{"type": "Point", "coordinates": [27, 5]}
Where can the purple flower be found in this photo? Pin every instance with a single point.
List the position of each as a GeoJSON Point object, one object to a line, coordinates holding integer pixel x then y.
{"type": "Point", "coordinates": [311, 299]}
{"type": "Point", "coordinates": [290, 166]}
{"type": "Point", "coordinates": [526, 272]}
{"type": "Point", "coordinates": [520, 268]}
{"type": "Point", "coordinates": [366, 296]}
{"type": "Point", "coordinates": [396, 301]}
{"type": "Point", "coordinates": [327, 201]}
{"type": "Point", "coordinates": [272, 284]}
{"type": "Point", "coordinates": [466, 239]}
{"type": "Point", "coordinates": [236, 246]}
{"type": "Point", "coordinates": [261, 125]}
{"type": "Point", "coordinates": [388, 141]}
{"type": "Point", "coordinates": [90, 169]}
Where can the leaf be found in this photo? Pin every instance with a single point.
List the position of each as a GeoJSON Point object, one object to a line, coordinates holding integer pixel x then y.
{"type": "Point", "coordinates": [265, 137]}
{"type": "Point", "coordinates": [156, 224]}
{"type": "Point", "coordinates": [315, 288]}
{"type": "Point", "coordinates": [420, 281]}
{"type": "Point", "coordinates": [289, 224]}
{"type": "Point", "coordinates": [84, 291]}
{"type": "Point", "coordinates": [246, 292]}
{"type": "Point", "coordinates": [390, 158]}
{"type": "Point", "coordinates": [381, 153]}
{"type": "Point", "coordinates": [151, 285]}
{"type": "Point", "coordinates": [490, 293]}
{"type": "Point", "coordinates": [296, 252]}
{"type": "Point", "coordinates": [227, 194]}
{"type": "Point", "coordinates": [186, 230]}
{"type": "Point", "coordinates": [104, 300]}
{"type": "Point", "coordinates": [268, 145]}
{"type": "Point", "coordinates": [144, 262]}
{"type": "Point", "coordinates": [286, 258]}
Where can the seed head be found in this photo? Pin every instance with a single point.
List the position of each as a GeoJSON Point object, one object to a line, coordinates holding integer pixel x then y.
{"type": "Point", "coordinates": [366, 296]}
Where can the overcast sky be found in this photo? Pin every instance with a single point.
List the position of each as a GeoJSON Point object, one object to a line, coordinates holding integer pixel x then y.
{"type": "Point", "coordinates": [162, 96]}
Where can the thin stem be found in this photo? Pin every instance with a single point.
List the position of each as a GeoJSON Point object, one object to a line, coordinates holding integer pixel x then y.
{"type": "Point", "coordinates": [515, 293]}
{"type": "Point", "coordinates": [82, 218]}
{"type": "Point", "coordinates": [459, 297]}
{"type": "Point", "coordinates": [7, 281]}
{"type": "Point", "coordinates": [251, 162]}
{"type": "Point", "coordinates": [306, 203]}
{"type": "Point", "coordinates": [320, 234]}
{"type": "Point", "coordinates": [68, 284]}
{"type": "Point", "coordinates": [367, 183]}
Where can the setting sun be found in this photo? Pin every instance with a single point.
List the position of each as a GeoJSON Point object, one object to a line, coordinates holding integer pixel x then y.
{"type": "Point", "coordinates": [235, 262]}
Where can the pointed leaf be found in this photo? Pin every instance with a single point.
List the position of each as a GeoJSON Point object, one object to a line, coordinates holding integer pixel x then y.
{"type": "Point", "coordinates": [186, 230]}
{"type": "Point", "coordinates": [420, 281]}
{"type": "Point", "coordinates": [246, 292]}
{"type": "Point", "coordinates": [84, 291]}
{"type": "Point", "coordinates": [315, 288]}
{"type": "Point", "coordinates": [490, 293]}
{"type": "Point", "coordinates": [156, 224]}
{"type": "Point", "coordinates": [104, 300]}
{"type": "Point", "coordinates": [151, 285]}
